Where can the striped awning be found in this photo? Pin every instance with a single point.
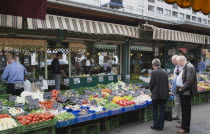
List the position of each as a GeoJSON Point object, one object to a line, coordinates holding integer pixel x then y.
{"type": "Point", "coordinates": [172, 35]}
{"type": "Point", "coordinates": [21, 42]}
{"type": "Point", "coordinates": [10, 21]}
{"type": "Point", "coordinates": [83, 26]}
{"type": "Point", "coordinates": [141, 48]}
{"type": "Point", "coordinates": [105, 46]}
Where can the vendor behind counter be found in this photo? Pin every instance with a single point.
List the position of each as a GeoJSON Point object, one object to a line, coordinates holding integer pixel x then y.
{"type": "Point", "coordinates": [14, 76]}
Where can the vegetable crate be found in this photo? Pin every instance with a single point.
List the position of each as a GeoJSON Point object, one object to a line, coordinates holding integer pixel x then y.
{"type": "Point", "coordinates": [39, 127]}
{"type": "Point", "coordinates": [84, 118]}
{"type": "Point", "coordinates": [92, 129]}
{"type": "Point", "coordinates": [71, 130]}
{"type": "Point", "coordinates": [112, 124]}
{"type": "Point", "coordinates": [148, 113]}
{"type": "Point", "coordinates": [16, 130]}
{"type": "Point", "coordinates": [116, 111]}
{"type": "Point", "coordinates": [129, 108]}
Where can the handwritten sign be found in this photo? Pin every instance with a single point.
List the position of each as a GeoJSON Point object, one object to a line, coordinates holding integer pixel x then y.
{"type": "Point", "coordinates": [76, 80]}
{"type": "Point", "coordinates": [111, 78]}
{"type": "Point", "coordinates": [119, 77]}
{"type": "Point", "coordinates": [89, 79]}
{"type": "Point", "coordinates": [101, 79]}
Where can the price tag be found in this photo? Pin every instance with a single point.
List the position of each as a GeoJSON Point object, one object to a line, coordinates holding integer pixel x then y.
{"type": "Point", "coordinates": [127, 76]}
{"type": "Point", "coordinates": [134, 95]}
{"type": "Point", "coordinates": [110, 98]}
{"type": "Point", "coordinates": [28, 98]}
{"type": "Point", "coordinates": [12, 98]}
{"type": "Point", "coordinates": [111, 78]}
{"type": "Point", "coordinates": [20, 105]}
{"type": "Point", "coordinates": [18, 85]}
{"type": "Point", "coordinates": [93, 102]}
{"type": "Point", "coordinates": [119, 77]}
{"type": "Point", "coordinates": [76, 80]}
{"type": "Point", "coordinates": [66, 82]}
{"type": "Point", "coordinates": [47, 95]}
{"type": "Point", "coordinates": [101, 79]}
{"type": "Point", "coordinates": [39, 83]}
{"type": "Point", "coordinates": [89, 79]}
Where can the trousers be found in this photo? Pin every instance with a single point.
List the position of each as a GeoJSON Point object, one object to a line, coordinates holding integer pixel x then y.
{"type": "Point", "coordinates": [57, 78]}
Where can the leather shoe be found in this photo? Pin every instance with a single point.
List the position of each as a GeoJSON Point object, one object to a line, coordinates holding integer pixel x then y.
{"type": "Point", "coordinates": [178, 126]}
{"type": "Point", "coordinates": [182, 131]}
{"type": "Point", "coordinates": [154, 128]}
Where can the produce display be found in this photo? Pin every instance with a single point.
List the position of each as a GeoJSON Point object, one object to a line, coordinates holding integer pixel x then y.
{"type": "Point", "coordinates": [47, 104]}
{"type": "Point", "coordinates": [111, 106]}
{"type": "Point", "coordinates": [7, 123]}
{"type": "Point", "coordinates": [16, 111]}
{"type": "Point", "coordinates": [125, 102]}
{"type": "Point", "coordinates": [4, 102]}
{"type": "Point", "coordinates": [64, 116]}
{"type": "Point", "coordinates": [34, 118]}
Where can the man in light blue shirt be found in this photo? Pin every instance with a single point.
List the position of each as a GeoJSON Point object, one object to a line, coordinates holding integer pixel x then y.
{"type": "Point", "coordinates": [177, 108]}
{"type": "Point", "coordinates": [14, 75]}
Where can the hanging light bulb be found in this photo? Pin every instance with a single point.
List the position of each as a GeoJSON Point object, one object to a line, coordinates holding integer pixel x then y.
{"type": "Point", "coordinates": [99, 54]}
{"type": "Point", "coordinates": [131, 54]}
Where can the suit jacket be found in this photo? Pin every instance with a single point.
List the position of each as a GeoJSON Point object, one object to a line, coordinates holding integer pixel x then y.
{"type": "Point", "coordinates": [189, 80]}
{"type": "Point", "coordinates": [55, 65]}
{"type": "Point", "coordinates": [159, 84]}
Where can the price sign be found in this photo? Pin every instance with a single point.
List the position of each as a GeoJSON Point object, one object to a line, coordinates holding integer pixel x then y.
{"type": "Point", "coordinates": [51, 82]}
{"type": "Point", "coordinates": [28, 98]}
{"type": "Point", "coordinates": [93, 102]}
{"type": "Point", "coordinates": [39, 83]}
{"type": "Point", "coordinates": [66, 82]}
{"type": "Point", "coordinates": [89, 79]}
{"type": "Point", "coordinates": [12, 98]}
{"type": "Point", "coordinates": [76, 80]}
{"type": "Point", "coordinates": [47, 95]}
{"type": "Point", "coordinates": [101, 79]}
{"type": "Point", "coordinates": [18, 85]}
{"type": "Point", "coordinates": [134, 95]}
{"type": "Point", "coordinates": [119, 77]}
{"type": "Point", "coordinates": [110, 98]}
{"type": "Point", "coordinates": [127, 76]}
{"type": "Point", "coordinates": [111, 78]}
{"type": "Point", "coordinates": [20, 105]}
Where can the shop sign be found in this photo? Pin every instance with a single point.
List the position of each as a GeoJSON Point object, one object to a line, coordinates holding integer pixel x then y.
{"type": "Point", "coordinates": [66, 82]}
{"type": "Point", "coordinates": [101, 79]}
{"type": "Point", "coordinates": [76, 80]}
{"type": "Point", "coordinates": [119, 77]}
{"type": "Point", "coordinates": [110, 78]}
{"type": "Point", "coordinates": [89, 79]}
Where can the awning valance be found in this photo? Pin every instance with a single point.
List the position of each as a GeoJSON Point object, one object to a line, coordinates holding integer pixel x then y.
{"type": "Point", "coordinates": [21, 42]}
{"type": "Point", "coordinates": [10, 21]}
{"type": "Point", "coordinates": [141, 48]}
{"type": "Point", "coordinates": [104, 46]}
{"type": "Point", "coordinates": [83, 26]}
{"type": "Point", "coordinates": [172, 35]}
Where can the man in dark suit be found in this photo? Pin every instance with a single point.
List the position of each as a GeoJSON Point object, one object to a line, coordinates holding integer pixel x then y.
{"type": "Point", "coordinates": [186, 87]}
{"type": "Point", "coordinates": [160, 92]}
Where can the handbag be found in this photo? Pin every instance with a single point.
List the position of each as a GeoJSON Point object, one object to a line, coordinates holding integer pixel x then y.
{"type": "Point", "coordinates": [168, 114]}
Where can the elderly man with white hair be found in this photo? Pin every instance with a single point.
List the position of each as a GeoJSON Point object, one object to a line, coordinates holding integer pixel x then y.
{"type": "Point", "coordinates": [177, 108]}
{"type": "Point", "coordinates": [186, 87]}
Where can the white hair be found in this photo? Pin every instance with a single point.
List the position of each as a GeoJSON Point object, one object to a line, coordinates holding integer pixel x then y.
{"type": "Point", "coordinates": [174, 57]}
{"type": "Point", "coordinates": [182, 58]}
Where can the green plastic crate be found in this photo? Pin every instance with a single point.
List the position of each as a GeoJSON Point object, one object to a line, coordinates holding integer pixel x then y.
{"type": "Point", "coordinates": [76, 130]}
{"type": "Point", "coordinates": [16, 130]}
{"type": "Point", "coordinates": [92, 128]}
{"type": "Point", "coordinates": [112, 124]}
{"type": "Point", "coordinates": [38, 126]}
{"type": "Point", "coordinates": [48, 130]}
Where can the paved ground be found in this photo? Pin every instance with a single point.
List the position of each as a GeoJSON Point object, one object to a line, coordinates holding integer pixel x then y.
{"type": "Point", "coordinates": [200, 124]}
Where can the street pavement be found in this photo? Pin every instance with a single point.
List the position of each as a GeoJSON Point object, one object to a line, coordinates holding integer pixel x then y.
{"type": "Point", "coordinates": [200, 124]}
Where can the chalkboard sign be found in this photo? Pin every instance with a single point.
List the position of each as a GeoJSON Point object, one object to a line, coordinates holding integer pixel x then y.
{"type": "Point", "coordinates": [119, 77]}
{"type": "Point", "coordinates": [76, 80]}
{"type": "Point", "coordinates": [66, 82]}
{"type": "Point", "coordinates": [111, 78]}
{"type": "Point", "coordinates": [51, 82]}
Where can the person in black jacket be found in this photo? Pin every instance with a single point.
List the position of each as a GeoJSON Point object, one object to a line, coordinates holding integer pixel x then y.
{"type": "Point", "coordinates": [186, 87]}
{"type": "Point", "coordinates": [159, 88]}
{"type": "Point", "coordinates": [56, 70]}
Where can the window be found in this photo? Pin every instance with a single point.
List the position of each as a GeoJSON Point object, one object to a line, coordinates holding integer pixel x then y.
{"type": "Point", "coordinates": [209, 16]}
{"type": "Point", "coordinates": [167, 12]}
{"type": "Point", "coordinates": [205, 21]}
{"type": "Point", "coordinates": [181, 15]}
{"type": "Point", "coordinates": [159, 10]}
{"type": "Point", "coordinates": [152, 1]}
{"type": "Point", "coordinates": [175, 14]}
{"type": "Point", "coordinates": [199, 20]}
{"type": "Point", "coordinates": [193, 12]}
{"type": "Point", "coordinates": [175, 6]}
{"type": "Point", "coordinates": [208, 22]}
{"type": "Point", "coordinates": [194, 18]}
{"type": "Point", "coordinates": [160, 0]}
{"type": "Point", "coordinates": [188, 17]}
{"type": "Point", "coordinates": [151, 8]}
